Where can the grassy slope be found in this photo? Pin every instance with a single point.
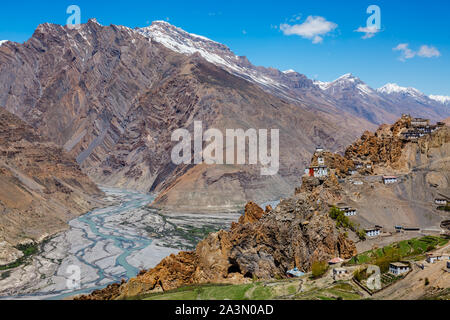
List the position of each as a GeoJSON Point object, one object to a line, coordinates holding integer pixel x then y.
{"type": "Point", "coordinates": [414, 248]}
{"type": "Point", "coordinates": [286, 289]}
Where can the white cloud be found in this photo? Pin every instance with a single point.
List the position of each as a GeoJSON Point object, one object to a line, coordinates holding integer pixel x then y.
{"type": "Point", "coordinates": [428, 52]}
{"type": "Point", "coordinates": [296, 17]}
{"type": "Point", "coordinates": [406, 52]}
{"type": "Point", "coordinates": [314, 28]}
{"type": "Point", "coordinates": [424, 52]}
{"type": "Point", "coordinates": [369, 32]}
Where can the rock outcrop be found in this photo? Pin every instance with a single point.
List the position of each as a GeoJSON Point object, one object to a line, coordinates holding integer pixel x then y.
{"type": "Point", "coordinates": [253, 213]}
{"type": "Point", "coordinates": [262, 245]}
{"type": "Point", "coordinates": [382, 148]}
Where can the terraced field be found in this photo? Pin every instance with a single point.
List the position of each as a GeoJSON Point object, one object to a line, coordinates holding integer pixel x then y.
{"type": "Point", "coordinates": [408, 249]}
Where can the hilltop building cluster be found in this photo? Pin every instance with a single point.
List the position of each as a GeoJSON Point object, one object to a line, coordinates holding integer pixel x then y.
{"type": "Point", "coordinates": [368, 160]}
{"type": "Point", "coordinates": [320, 170]}
{"type": "Point", "coordinates": [418, 127]}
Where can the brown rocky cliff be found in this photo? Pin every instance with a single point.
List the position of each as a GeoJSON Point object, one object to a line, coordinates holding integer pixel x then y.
{"type": "Point", "coordinates": [295, 234]}
{"type": "Point", "coordinates": [382, 148]}
{"type": "Point", "coordinates": [253, 213]}
{"type": "Point", "coordinates": [338, 163]}
{"type": "Point", "coordinates": [41, 186]}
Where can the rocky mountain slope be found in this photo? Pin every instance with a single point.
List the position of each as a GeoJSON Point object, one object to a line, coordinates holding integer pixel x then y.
{"type": "Point", "coordinates": [384, 105]}
{"type": "Point", "coordinates": [412, 101]}
{"type": "Point", "coordinates": [41, 187]}
{"type": "Point", "coordinates": [356, 97]}
{"type": "Point", "coordinates": [112, 98]}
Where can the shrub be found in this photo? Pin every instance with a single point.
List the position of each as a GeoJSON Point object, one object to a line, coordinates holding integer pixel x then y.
{"type": "Point", "coordinates": [319, 268]}
{"type": "Point", "coordinates": [344, 222]}
{"type": "Point", "coordinates": [361, 234]}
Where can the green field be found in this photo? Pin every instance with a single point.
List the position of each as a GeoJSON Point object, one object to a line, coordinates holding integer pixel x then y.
{"type": "Point", "coordinates": [254, 291]}
{"type": "Point", "coordinates": [28, 250]}
{"type": "Point", "coordinates": [411, 249]}
{"type": "Point", "coordinates": [278, 290]}
{"type": "Point", "coordinates": [340, 291]}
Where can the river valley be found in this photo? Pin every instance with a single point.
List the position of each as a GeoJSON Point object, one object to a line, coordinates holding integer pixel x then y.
{"type": "Point", "coordinates": [107, 245]}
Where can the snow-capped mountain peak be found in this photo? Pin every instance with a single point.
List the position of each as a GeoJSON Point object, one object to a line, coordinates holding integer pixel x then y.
{"type": "Point", "coordinates": [442, 99]}
{"type": "Point", "coordinates": [322, 85]}
{"type": "Point", "coordinates": [279, 82]}
{"type": "Point", "coordinates": [392, 88]}
{"type": "Point", "coordinates": [181, 41]}
{"type": "Point", "coordinates": [346, 82]}
{"type": "Point", "coordinates": [347, 77]}
{"type": "Point", "coordinates": [178, 40]}
{"type": "Point", "coordinates": [3, 41]}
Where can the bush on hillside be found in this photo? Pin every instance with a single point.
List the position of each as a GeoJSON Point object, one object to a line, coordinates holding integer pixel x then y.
{"type": "Point", "coordinates": [319, 268]}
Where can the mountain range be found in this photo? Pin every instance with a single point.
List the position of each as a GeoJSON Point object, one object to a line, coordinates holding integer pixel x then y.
{"type": "Point", "coordinates": [348, 93]}
{"type": "Point", "coordinates": [111, 96]}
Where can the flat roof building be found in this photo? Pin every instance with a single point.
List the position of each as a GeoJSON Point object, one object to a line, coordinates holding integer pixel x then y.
{"type": "Point", "coordinates": [317, 171]}
{"type": "Point", "coordinates": [348, 211]}
{"type": "Point", "coordinates": [441, 202]}
{"type": "Point", "coordinates": [416, 122]}
{"type": "Point", "coordinates": [340, 273]}
{"type": "Point", "coordinates": [336, 261]}
{"type": "Point", "coordinates": [373, 232]}
{"type": "Point", "coordinates": [433, 258]}
{"type": "Point", "coordinates": [390, 179]}
{"type": "Point", "coordinates": [398, 268]}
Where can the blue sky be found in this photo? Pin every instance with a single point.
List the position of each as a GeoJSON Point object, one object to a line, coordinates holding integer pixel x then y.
{"type": "Point", "coordinates": [252, 28]}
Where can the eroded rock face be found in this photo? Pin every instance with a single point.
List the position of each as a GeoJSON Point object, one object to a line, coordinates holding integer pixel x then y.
{"type": "Point", "coordinates": [263, 245]}
{"type": "Point", "coordinates": [382, 148]}
{"type": "Point", "coordinates": [341, 165]}
{"type": "Point", "coordinates": [253, 213]}
{"type": "Point", "coordinates": [8, 253]}
{"type": "Point", "coordinates": [41, 186]}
